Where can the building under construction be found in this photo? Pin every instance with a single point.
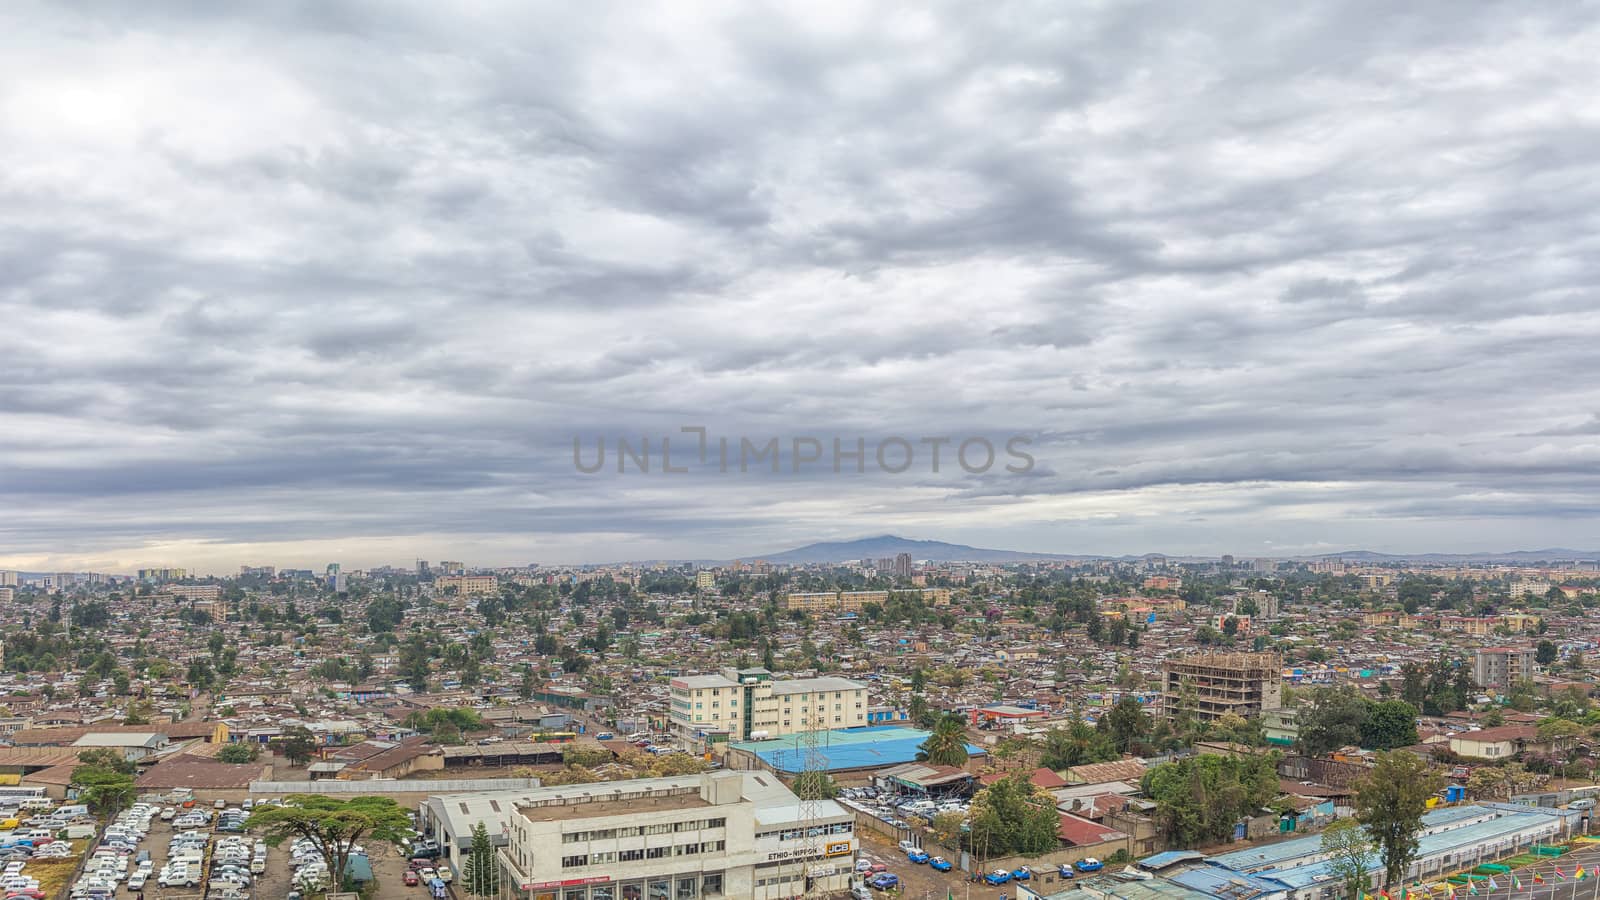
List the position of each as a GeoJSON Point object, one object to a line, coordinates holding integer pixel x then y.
{"type": "Point", "coordinates": [1206, 685]}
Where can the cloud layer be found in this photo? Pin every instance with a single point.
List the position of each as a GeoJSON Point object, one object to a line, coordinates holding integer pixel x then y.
{"type": "Point", "coordinates": [288, 283]}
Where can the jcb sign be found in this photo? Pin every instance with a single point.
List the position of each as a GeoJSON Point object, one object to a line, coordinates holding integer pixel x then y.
{"type": "Point", "coordinates": [842, 848]}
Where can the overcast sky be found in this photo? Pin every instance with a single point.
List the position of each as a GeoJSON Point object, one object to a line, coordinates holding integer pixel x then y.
{"type": "Point", "coordinates": [289, 283]}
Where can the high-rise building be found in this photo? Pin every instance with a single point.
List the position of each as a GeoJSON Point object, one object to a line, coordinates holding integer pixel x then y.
{"type": "Point", "coordinates": [902, 565]}
{"type": "Point", "coordinates": [1209, 685]}
{"type": "Point", "coordinates": [705, 580]}
{"type": "Point", "coordinates": [8, 579]}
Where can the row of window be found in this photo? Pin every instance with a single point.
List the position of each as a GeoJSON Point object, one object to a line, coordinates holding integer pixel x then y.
{"type": "Point", "coordinates": [607, 857]}
{"type": "Point", "coordinates": [681, 887]}
{"type": "Point", "coordinates": [602, 834]}
{"type": "Point", "coordinates": [794, 834]}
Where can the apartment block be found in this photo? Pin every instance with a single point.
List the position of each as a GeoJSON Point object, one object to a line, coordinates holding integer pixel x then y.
{"type": "Point", "coordinates": [467, 585]}
{"type": "Point", "coordinates": [749, 704]}
{"type": "Point", "coordinates": [1208, 685]}
{"type": "Point", "coordinates": [1502, 667]}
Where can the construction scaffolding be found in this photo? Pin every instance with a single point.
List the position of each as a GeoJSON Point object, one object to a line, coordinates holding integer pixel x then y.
{"type": "Point", "coordinates": [1206, 686]}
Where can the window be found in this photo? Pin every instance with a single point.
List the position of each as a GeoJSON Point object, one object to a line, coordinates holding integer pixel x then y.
{"type": "Point", "coordinates": [716, 823]}
{"type": "Point", "coordinates": [600, 859]}
{"type": "Point", "coordinates": [663, 828]}
{"type": "Point", "coordinates": [688, 888]}
{"type": "Point", "coordinates": [710, 885]}
{"type": "Point", "coordinates": [601, 892]}
{"type": "Point", "coordinates": [573, 894]}
{"type": "Point", "coordinates": [572, 837]}
{"type": "Point", "coordinates": [572, 862]}
{"type": "Point", "coordinates": [630, 855]}
{"type": "Point", "coordinates": [630, 831]}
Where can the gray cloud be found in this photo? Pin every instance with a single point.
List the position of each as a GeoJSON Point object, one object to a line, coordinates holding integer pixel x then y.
{"type": "Point", "coordinates": [284, 282]}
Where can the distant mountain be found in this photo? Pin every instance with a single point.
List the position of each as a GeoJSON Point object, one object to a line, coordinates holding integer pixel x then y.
{"type": "Point", "coordinates": [1511, 556]}
{"type": "Point", "coordinates": [888, 546]}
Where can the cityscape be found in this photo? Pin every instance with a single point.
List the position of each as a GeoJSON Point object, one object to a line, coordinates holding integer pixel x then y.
{"type": "Point", "coordinates": [761, 450]}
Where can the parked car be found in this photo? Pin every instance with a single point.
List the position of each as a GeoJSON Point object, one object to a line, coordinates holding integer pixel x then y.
{"type": "Point", "coordinates": [1065, 871]}
{"type": "Point", "coordinates": [917, 856]}
{"type": "Point", "coordinates": [884, 880]}
{"type": "Point", "coordinates": [410, 878]}
{"type": "Point", "coordinates": [1022, 873]}
{"type": "Point", "coordinates": [940, 864]}
{"type": "Point", "coordinates": [998, 876]}
{"type": "Point", "coordinates": [1090, 864]}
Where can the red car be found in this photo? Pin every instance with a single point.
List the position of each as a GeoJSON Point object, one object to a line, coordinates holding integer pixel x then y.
{"type": "Point", "coordinates": [420, 862]}
{"type": "Point", "coordinates": [30, 893]}
{"type": "Point", "coordinates": [409, 877]}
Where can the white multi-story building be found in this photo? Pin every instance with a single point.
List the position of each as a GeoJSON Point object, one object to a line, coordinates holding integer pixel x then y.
{"type": "Point", "coordinates": [721, 834]}
{"type": "Point", "coordinates": [747, 704]}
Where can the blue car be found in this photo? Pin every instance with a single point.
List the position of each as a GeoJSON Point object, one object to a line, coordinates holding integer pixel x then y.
{"type": "Point", "coordinates": [1066, 871]}
{"type": "Point", "coordinates": [884, 880]}
{"type": "Point", "coordinates": [1022, 873]}
{"type": "Point", "coordinates": [940, 864]}
{"type": "Point", "coordinates": [998, 876]}
{"type": "Point", "coordinates": [917, 856]}
{"type": "Point", "coordinates": [1090, 865]}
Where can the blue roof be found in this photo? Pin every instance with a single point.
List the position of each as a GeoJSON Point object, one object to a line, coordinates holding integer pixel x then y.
{"type": "Point", "coordinates": [1284, 852]}
{"type": "Point", "coordinates": [1169, 857]}
{"type": "Point", "coordinates": [1494, 832]}
{"type": "Point", "coordinates": [1220, 882]}
{"type": "Point", "coordinates": [844, 749]}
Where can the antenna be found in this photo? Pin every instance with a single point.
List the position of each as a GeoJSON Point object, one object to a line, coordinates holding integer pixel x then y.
{"type": "Point", "coordinates": [809, 761]}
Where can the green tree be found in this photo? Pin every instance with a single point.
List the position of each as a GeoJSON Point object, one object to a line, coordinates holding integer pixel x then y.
{"type": "Point", "coordinates": [480, 872]}
{"type": "Point", "coordinates": [1127, 723]}
{"type": "Point", "coordinates": [1076, 745]}
{"type": "Point", "coordinates": [1012, 817]}
{"type": "Point", "coordinates": [331, 825]}
{"type": "Point", "coordinates": [1390, 724]}
{"type": "Point", "coordinates": [108, 759]}
{"type": "Point", "coordinates": [947, 744]}
{"type": "Point", "coordinates": [1545, 653]}
{"type": "Point", "coordinates": [1390, 802]}
{"type": "Point", "coordinates": [298, 744]}
{"type": "Point", "coordinates": [1330, 718]}
{"type": "Point", "coordinates": [1350, 856]}
{"type": "Point", "coordinates": [105, 790]}
{"type": "Point", "coordinates": [1198, 799]}
{"type": "Point", "coordinates": [237, 753]}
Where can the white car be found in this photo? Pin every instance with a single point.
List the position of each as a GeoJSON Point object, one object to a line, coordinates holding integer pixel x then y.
{"type": "Point", "coordinates": [137, 879]}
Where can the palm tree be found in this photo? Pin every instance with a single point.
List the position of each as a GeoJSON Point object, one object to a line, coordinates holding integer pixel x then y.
{"type": "Point", "coordinates": [947, 745]}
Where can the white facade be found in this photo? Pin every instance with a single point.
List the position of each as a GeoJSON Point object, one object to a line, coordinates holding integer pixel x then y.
{"type": "Point", "coordinates": [722, 834]}
{"type": "Point", "coordinates": [746, 704]}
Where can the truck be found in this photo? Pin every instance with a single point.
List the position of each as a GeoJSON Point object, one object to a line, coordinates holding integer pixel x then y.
{"type": "Point", "coordinates": [75, 832]}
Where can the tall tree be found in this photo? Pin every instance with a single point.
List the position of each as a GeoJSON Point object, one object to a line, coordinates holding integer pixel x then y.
{"type": "Point", "coordinates": [1330, 718]}
{"type": "Point", "coordinates": [105, 790]}
{"type": "Point", "coordinates": [1350, 856]}
{"type": "Point", "coordinates": [1013, 817]}
{"type": "Point", "coordinates": [1390, 724]}
{"type": "Point", "coordinates": [332, 826]}
{"type": "Point", "coordinates": [947, 745]}
{"type": "Point", "coordinates": [1390, 802]}
{"type": "Point", "coordinates": [1127, 723]}
{"type": "Point", "coordinates": [481, 873]}
{"type": "Point", "coordinates": [298, 744]}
